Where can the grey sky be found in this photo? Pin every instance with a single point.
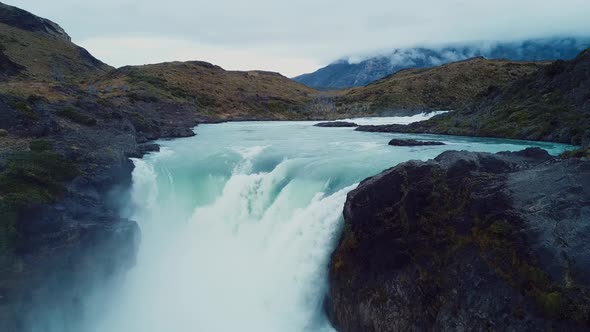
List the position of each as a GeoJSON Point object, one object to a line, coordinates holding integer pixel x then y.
{"type": "Point", "coordinates": [296, 36]}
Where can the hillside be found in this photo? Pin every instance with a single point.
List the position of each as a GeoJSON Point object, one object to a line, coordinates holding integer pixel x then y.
{"type": "Point", "coordinates": [38, 61]}
{"type": "Point", "coordinates": [33, 48]}
{"type": "Point", "coordinates": [550, 105]}
{"type": "Point", "coordinates": [449, 86]}
{"type": "Point", "coordinates": [346, 74]}
{"type": "Point", "coordinates": [209, 90]}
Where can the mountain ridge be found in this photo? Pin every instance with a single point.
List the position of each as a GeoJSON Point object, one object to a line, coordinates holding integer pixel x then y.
{"type": "Point", "coordinates": [345, 74]}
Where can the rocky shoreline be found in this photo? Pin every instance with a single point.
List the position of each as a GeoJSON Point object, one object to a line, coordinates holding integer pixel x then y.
{"type": "Point", "coordinates": [336, 124]}
{"type": "Point", "coordinates": [467, 241]}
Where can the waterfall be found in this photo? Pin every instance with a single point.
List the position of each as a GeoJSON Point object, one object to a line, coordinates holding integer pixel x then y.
{"type": "Point", "coordinates": [239, 223]}
{"type": "Point", "coordinates": [253, 259]}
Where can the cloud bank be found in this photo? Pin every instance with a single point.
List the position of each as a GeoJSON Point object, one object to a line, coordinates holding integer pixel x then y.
{"type": "Point", "coordinates": [308, 32]}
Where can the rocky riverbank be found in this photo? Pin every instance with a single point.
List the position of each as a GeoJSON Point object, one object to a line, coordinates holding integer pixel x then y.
{"type": "Point", "coordinates": [552, 104]}
{"type": "Point", "coordinates": [336, 124]}
{"type": "Point", "coordinates": [467, 241]}
{"type": "Point", "coordinates": [413, 142]}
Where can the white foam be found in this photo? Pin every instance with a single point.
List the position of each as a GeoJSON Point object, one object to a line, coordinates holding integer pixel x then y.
{"type": "Point", "coordinates": [253, 260]}
{"type": "Point", "coordinates": [394, 119]}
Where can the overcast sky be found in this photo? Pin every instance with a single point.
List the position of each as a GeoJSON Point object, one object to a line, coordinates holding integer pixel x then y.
{"type": "Point", "coordinates": [295, 36]}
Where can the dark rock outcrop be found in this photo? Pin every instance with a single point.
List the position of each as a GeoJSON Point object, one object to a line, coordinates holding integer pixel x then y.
{"type": "Point", "coordinates": [336, 124]}
{"type": "Point", "coordinates": [8, 67]}
{"type": "Point", "coordinates": [467, 241]}
{"type": "Point", "coordinates": [61, 234]}
{"type": "Point", "coordinates": [388, 128]}
{"type": "Point", "coordinates": [146, 148]}
{"type": "Point", "coordinates": [22, 19]}
{"type": "Point", "coordinates": [413, 142]}
{"type": "Point", "coordinates": [39, 49]}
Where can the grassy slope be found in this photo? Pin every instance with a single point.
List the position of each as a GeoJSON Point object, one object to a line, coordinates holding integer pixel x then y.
{"type": "Point", "coordinates": [446, 87]}
{"type": "Point", "coordinates": [552, 104]}
{"type": "Point", "coordinates": [211, 91]}
{"type": "Point", "coordinates": [47, 58]}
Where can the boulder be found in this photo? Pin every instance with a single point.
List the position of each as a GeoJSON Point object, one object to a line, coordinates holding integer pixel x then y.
{"type": "Point", "coordinates": [413, 142]}
{"type": "Point", "coordinates": [336, 124]}
{"type": "Point", "coordinates": [467, 241]}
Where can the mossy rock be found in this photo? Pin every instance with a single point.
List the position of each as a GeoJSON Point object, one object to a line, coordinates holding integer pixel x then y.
{"type": "Point", "coordinates": [30, 177]}
{"type": "Point", "coordinates": [552, 303]}
{"type": "Point", "coordinates": [25, 110]}
{"type": "Point", "coordinates": [577, 153]}
{"type": "Point", "coordinates": [41, 145]}
{"type": "Point", "coordinates": [72, 114]}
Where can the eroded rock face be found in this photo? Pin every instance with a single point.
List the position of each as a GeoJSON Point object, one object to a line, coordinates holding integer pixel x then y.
{"type": "Point", "coordinates": [8, 67]}
{"type": "Point", "coordinates": [66, 251]}
{"type": "Point", "coordinates": [468, 241]}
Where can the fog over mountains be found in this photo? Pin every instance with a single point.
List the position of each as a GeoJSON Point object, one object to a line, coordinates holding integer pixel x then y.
{"type": "Point", "coordinates": [350, 72]}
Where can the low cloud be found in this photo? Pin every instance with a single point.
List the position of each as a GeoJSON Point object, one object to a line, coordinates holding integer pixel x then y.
{"type": "Point", "coordinates": [310, 30]}
{"type": "Point", "coordinates": [434, 55]}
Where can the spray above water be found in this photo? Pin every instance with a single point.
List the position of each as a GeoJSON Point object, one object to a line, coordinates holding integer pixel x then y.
{"type": "Point", "coordinates": [239, 223]}
{"type": "Point", "coordinates": [252, 260]}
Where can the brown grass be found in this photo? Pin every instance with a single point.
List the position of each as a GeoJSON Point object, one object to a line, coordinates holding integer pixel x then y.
{"type": "Point", "coordinates": [47, 59]}
{"type": "Point", "coordinates": [446, 87]}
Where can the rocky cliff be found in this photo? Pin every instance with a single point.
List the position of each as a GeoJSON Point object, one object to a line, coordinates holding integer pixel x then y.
{"type": "Point", "coordinates": [467, 241]}
{"type": "Point", "coordinates": [62, 156]}
{"type": "Point", "coordinates": [60, 234]}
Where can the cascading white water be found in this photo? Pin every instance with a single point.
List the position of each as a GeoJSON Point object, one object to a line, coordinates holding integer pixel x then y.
{"type": "Point", "coordinates": [239, 223]}
{"type": "Point", "coordinates": [252, 260]}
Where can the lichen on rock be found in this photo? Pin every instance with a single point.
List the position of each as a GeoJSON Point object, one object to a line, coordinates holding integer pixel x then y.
{"type": "Point", "coordinates": [458, 243]}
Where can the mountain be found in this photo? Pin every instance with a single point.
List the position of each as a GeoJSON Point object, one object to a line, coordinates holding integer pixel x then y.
{"type": "Point", "coordinates": [552, 104]}
{"type": "Point", "coordinates": [449, 86]}
{"type": "Point", "coordinates": [345, 74]}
